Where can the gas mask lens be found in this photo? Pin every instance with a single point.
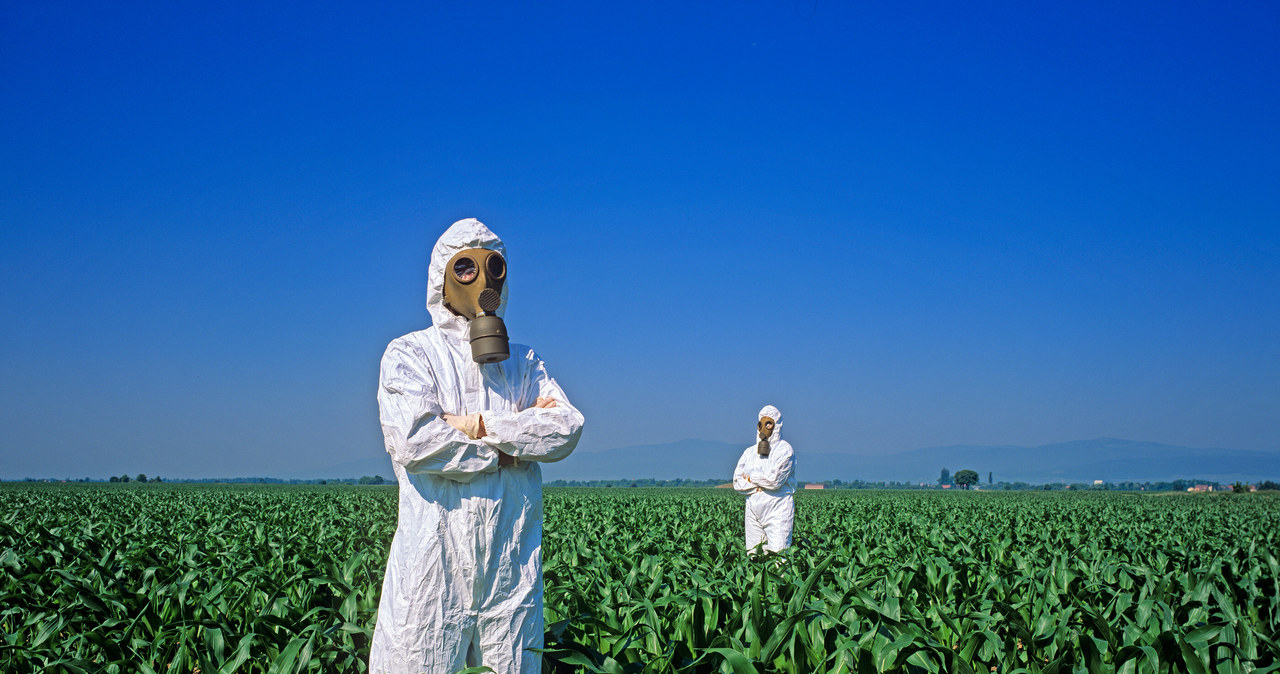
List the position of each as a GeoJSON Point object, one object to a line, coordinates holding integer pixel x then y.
{"type": "Point", "coordinates": [464, 268]}
{"type": "Point", "coordinates": [496, 267]}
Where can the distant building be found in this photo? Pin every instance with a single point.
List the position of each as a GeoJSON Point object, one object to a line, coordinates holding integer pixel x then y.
{"type": "Point", "coordinates": [1201, 487]}
{"type": "Point", "coordinates": [1097, 483]}
{"type": "Point", "coordinates": [815, 486]}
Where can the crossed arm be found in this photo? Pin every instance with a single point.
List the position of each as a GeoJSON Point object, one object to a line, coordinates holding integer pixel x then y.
{"type": "Point", "coordinates": [473, 426]}
{"type": "Point", "coordinates": [775, 473]}
{"type": "Point", "coordinates": [421, 436]}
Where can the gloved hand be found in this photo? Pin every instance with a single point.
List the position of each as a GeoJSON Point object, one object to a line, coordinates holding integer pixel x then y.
{"type": "Point", "coordinates": [471, 425]}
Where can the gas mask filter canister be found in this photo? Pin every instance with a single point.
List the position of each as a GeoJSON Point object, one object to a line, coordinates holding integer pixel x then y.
{"type": "Point", "coordinates": [473, 289]}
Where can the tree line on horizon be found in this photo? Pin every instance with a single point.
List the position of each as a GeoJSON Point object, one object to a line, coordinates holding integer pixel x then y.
{"type": "Point", "coordinates": [963, 478]}
{"type": "Point", "coordinates": [142, 478]}
{"type": "Point", "coordinates": [1171, 485]}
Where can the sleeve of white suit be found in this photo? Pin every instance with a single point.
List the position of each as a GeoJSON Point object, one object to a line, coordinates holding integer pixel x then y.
{"type": "Point", "coordinates": [415, 434]}
{"type": "Point", "coordinates": [740, 483]}
{"type": "Point", "coordinates": [778, 472]}
{"type": "Point", "coordinates": [543, 434]}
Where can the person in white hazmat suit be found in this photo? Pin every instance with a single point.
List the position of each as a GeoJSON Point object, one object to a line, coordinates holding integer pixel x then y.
{"type": "Point", "coordinates": [467, 427]}
{"type": "Point", "coordinates": [766, 474]}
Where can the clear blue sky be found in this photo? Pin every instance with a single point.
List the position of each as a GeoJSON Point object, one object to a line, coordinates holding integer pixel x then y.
{"type": "Point", "coordinates": [905, 225]}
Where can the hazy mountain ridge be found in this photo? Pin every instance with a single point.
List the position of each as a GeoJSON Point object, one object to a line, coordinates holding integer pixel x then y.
{"type": "Point", "coordinates": [1108, 459]}
{"type": "Point", "coordinates": [688, 458]}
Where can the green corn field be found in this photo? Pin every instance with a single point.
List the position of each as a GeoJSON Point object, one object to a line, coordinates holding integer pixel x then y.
{"type": "Point", "coordinates": [177, 578]}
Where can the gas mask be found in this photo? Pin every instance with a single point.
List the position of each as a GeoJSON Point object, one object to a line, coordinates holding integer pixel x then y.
{"type": "Point", "coordinates": [765, 428]}
{"type": "Point", "coordinates": [473, 290]}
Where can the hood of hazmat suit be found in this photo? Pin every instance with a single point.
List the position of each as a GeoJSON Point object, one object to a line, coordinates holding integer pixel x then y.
{"type": "Point", "coordinates": [768, 480]}
{"type": "Point", "coordinates": [463, 586]}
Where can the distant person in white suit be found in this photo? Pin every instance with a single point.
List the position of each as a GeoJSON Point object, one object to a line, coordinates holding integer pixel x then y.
{"type": "Point", "coordinates": [766, 474]}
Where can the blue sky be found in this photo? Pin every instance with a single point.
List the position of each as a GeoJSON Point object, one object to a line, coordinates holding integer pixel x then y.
{"type": "Point", "coordinates": [905, 225]}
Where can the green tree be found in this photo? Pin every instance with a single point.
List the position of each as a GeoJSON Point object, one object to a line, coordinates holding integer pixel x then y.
{"type": "Point", "coordinates": [945, 478]}
{"type": "Point", "coordinates": [965, 478]}
{"type": "Point", "coordinates": [1240, 488]}
{"type": "Point", "coordinates": [115, 478]}
{"type": "Point", "coordinates": [142, 477]}
{"type": "Point", "coordinates": [124, 478]}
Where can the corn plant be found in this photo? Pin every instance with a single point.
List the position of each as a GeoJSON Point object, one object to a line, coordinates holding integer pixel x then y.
{"type": "Point", "coordinates": [180, 578]}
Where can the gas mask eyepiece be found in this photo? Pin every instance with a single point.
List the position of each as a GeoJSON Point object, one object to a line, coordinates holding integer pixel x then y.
{"type": "Point", "coordinates": [765, 428]}
{"type": "Point", "coordinates": [473, 289]}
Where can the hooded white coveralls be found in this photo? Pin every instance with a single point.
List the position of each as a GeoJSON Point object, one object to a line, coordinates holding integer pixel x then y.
{"type": "Point", "coordinates": [770, 485]}
{"type": "Point", "coordinates": [464, 579]}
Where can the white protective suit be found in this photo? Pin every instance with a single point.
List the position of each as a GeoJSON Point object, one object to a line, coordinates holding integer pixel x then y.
{"type": "Point", "coordinates": [464, 580]}
{"type": "Point", "coordinates": [770, 485]}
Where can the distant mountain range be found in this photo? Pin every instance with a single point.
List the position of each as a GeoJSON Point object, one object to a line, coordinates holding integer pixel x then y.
{"type": "Point", "coordinates": [1107, 459]}
{"type": "Point", "coordinates": [689, 459]}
